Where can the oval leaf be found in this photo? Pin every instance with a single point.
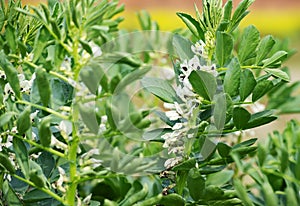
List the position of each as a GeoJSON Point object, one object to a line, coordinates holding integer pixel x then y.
{"type": "Point", "coordinates": [21, 155]}
{"type": "Point", "coordinates": [240, 117]}
{"type": "Point", "coordinates": [261, 88]}
{"type": "Point", "coordinates": [278, 73]}
{"type": "Point", "coordinates": [232, 78]}
{"type": "Point", "coordinates": [204, 84]}
{"type": "Point", "coordinates": [247, 84]}
{"type": "Point", "coordinates": [224, 47]}
{"type": "Point", "coordinates": [196, 184]}
{"type": "Point", "coordinates": [160, 88]}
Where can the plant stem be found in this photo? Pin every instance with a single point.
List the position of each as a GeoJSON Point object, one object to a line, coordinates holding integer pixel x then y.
{"type": "Point", "coordinates": [252, 67]}
{"type": "Point", "coordinates": [46, 109]}
{"type": "Point", "coordinates": [47, 149]}
{"type": "Point", "coordinates": [45, 190]}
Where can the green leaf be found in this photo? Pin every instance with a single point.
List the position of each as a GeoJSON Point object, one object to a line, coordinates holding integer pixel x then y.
{"type": "Point", "coordinates": [35, 195]}
{"type": "Point", "coordinates": [269, 194]}
{"type": "Point", "coordinates": [284, 160]}
{"type": "Point", "coordinates": [62, 93]}
{"type": "Point", "coordinates": [242, 193]}
{"type": "Point", "coordinates": [275, 60]}
{"type": "Point", "coordinates": [45, 132]}
{"type": "Point", "coordinates": [239, 14]}
{"type": "Point", "coordinates": [6, 163]}
{"type": "Point", "coordinates": [212, 192]}
{"type": "Point", "coordinates": [232, 78]}
{"type": "Point", "coordinates": [85, 45]}
{"type": "Point", "coordinates": [246, 143]}
{"type": "Point", "coordinates": [291, 196]}
{"type": "Point", "coordinates": [109, 111]}
{"type": "Point", "coordinates": [91, 78]}
{"type": "Point", "coordinates": [164, 118]}
{"type": "Point", "coordinates": [2, 18]}
{"type": "Point", "coordinates": [21, 155]}
{"type": "Point", "coordinates": [192, 24]}
{"type": "Point", "coordinates": [260, 118]}
{"type": "Point", "coordinates": [43, 86]}
{"type": "Point", "coordinates": [247, 84]}
{"type": "Point", "coordinates": [240, 117]}
{"type": "Point", "coordinates": [155, 135]}
{"type": "Point", "coordinates": [219, 111]}
{"type": "Point", "coordinates": [223, 149]}
{"type": "Point", "coordinates": [36, 174]}
{"type": "Point", "coordinates": [224, 47]}
{"type": "Point", "coordinates": [182, 47]}
{"type": "Point", "coordinates": [55, 28]}
{"type": "Point", "coordinates": [137, 196]}
{"type": "Point", "coordinates": [6, 117]}
{"type": "Point", "coordinates": [185, 166]}
{"type": "Point", "coordinates": [10, 196]}
{"type": "Point", "coordinates": [41, 41]}
{"type": "Point", "coordinates": [220, 178]}
{"type": "Point", "coordinates": [144, 20]}
{"type": "Point", "coordinates": [11, 74]}
{"type": "Point", "coordinates": [261, 155]}
{"type": "Point", "coordinates": [248, 44]}
{"type": "Point", "coordinates": [290, 106]}
{"type": "Point", "coordinates": [278, 73]}
{"type": "Point", "coordinates": [24, 121]}
{"type": "Point", "coordinates": [195, 184]}
{"type": "Point", "coordinates": [172, 200]}
{"type": "Point", "coordinates": [261, 88]}
{"type": "Point", "coordinates": [160, 88]}
{"type": "Point", "coordinates": [131, 77]}
{"type": "Point", "coordinates": [47, 163]}
{"type": "Point", "coordinates": [204, 84]}
{"type": "Point", "coordinates": [11, 37]}
{"type": "Point", "coordinates": [227, 11]}
{"type": "Point", "coordinates": [88, 116]}
{"type": "Point", "coordinates": [264, 48]}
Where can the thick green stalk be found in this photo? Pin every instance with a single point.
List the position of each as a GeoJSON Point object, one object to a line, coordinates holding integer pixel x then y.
{"type": "Point", "coordinates": [47, 149]}
{"type": "Point", "coordinates": [46, 109]}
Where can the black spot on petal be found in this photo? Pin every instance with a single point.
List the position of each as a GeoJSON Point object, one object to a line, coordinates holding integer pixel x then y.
{"type": "Point", "coordinates": [184, 68]}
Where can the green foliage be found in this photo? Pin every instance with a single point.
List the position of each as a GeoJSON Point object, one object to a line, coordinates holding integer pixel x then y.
{"type": "Point", "coordinates": [274, 169]}
{"type": "Point", "coordinates": [79, 125]}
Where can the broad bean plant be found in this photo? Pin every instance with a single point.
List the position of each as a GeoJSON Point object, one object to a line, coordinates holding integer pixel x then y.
{"type": "Point", "coordinates": [94, 115]}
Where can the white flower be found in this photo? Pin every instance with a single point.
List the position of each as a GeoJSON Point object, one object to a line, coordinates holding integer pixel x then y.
{"type": "Point", "coordinates": [25, 86]}
{"type": "Point", "coordinates": [173, 115]}
{"type": "Point", "coordinates": [184, 93]}
{"type": "Point", "coordinates": [8, 91]}
{"type": "Point", "coordinates": [177, 126]}
{"type": "Point", "coordinates": [210, 69]}
{"type": "Point", "coordinates": [58, 144]}
{"type": "Point", "coordinates": [172, 162]}
{"type": "Point", "coordinates": [62, 178]}
{"type": "Point", "coordinates": [65, 126]}
{"type": "Point", "coordinates": [194, 63]}
{"type": "Point", "coordinates": [96, 50]}
{"type": "Point", "coordinates": [2, 75]}
{"type": "Point", "coordinates": [199, 49]}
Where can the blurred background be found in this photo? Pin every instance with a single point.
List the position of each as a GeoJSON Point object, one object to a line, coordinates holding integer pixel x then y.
{"type": "Point", "coordinates": [281, 18]}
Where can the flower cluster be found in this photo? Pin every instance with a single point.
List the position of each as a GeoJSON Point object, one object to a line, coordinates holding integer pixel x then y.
{"type": "Point", "coordinates": [185, 112]}
{"type": "Point", "coordinates": [25, 85]}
